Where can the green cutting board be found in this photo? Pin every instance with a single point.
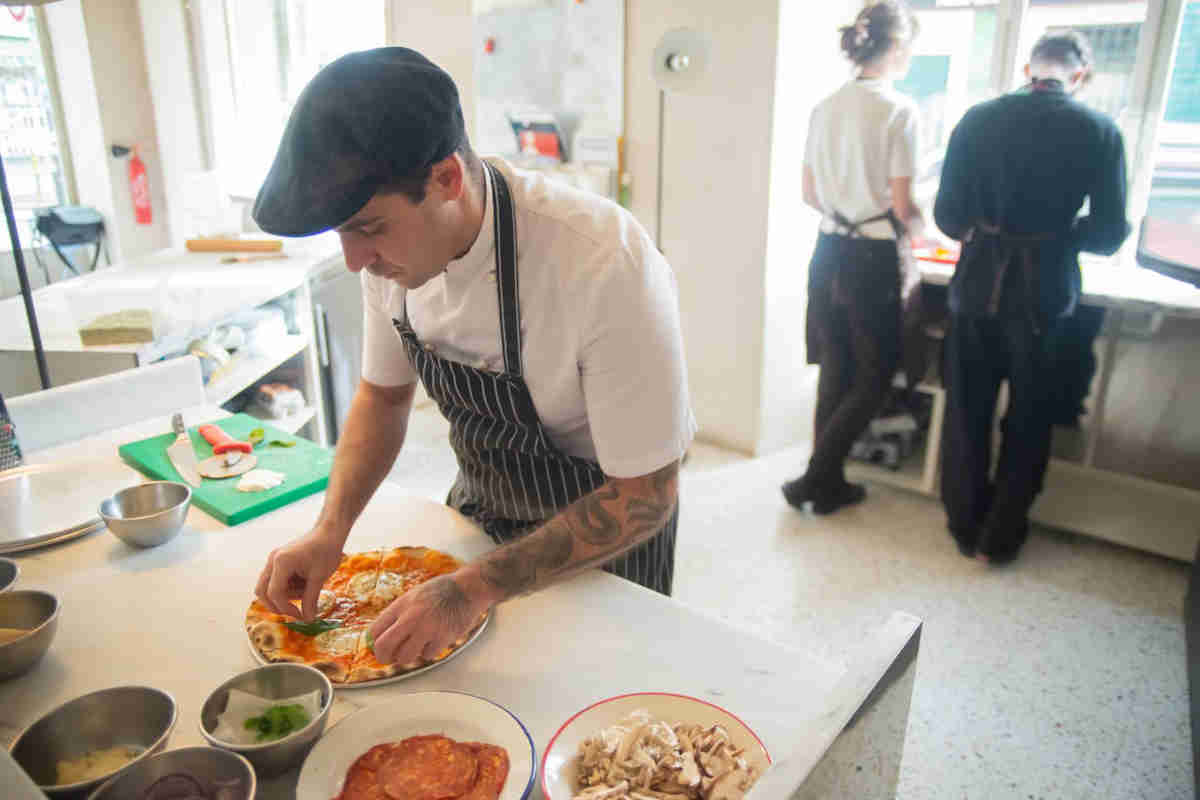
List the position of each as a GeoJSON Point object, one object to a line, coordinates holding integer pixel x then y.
{"type": "Point", "coordinates": [306, 467]}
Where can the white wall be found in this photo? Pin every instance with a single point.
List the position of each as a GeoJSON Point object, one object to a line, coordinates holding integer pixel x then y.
{"type": "Point", "coordinates": [809, 66]}
{"type": "Point", "coordinates": [176, 115]}
{"type": "Point", "coordinates": [102, 77]}
{"type": "Point", "coordinates": [441, 30]}
{"type": "Point", "coordinates": [716, 162]}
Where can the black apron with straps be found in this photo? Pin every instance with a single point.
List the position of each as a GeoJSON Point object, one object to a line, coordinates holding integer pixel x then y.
{"type": "Point", "coordinates": [511, 476]}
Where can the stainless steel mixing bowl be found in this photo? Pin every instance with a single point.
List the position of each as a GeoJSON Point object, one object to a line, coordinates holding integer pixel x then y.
{"type": "Point", "coordinates": [273, 682]}
{"type": "Point", "coordinates": [212, 769]}
{"type": "Point", "coordinates": [29, 610]}
{"type": "Point", "coordinates": [149, 514]}
{"type": "Point", "coordinates": [133, 716]}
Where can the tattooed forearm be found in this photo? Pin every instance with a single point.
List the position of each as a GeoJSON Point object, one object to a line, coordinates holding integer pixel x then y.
{"type": "Point", "coordinates": [592, 531]}
{"type": "Point", "coordinates": [591, 521]}
{"type": "Point", "coordinates": [451, 602]}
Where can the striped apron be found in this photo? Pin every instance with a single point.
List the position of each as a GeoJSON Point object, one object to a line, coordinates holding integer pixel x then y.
{"type": "Point", "coordinates": [511, 477]}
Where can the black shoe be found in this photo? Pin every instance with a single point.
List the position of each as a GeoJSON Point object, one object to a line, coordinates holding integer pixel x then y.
{"type": "Point", "coordinates": [797, 492]}
{"type": "Point", "coordinates": [847, 494]}
{"type": "Point", "coordinates": [966, 541]}
{"type": "Point", "coordinates": [1000, 558]}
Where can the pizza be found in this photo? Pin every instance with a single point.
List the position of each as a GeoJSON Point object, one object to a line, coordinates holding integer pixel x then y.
{"type": "Point", "coordinates": [429, 767]}
{"type": "Point", "coordinates": [357, 592]}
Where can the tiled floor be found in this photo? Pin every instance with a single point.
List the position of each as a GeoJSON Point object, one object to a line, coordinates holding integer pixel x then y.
{"type": "Point", "coordinates": [1062, 676]}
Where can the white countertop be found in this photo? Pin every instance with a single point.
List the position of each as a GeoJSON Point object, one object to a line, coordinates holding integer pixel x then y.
{"type": "Point", "coordinates": [187, 291]}
{"type": "Point", "coordinates": [171, 617]}
{"type": "Point", "coordinates": [1112, 285]}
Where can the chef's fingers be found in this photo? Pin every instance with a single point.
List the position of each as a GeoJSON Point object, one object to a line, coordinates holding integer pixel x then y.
{"type": "Point", "coordinates": [312, 593]}
{"type": "Point", "coordinates": [277, 589]}
{"type": "Point", "coordinates": [264, 580]}
{"type": "Point", "coordinates": [389, 645]}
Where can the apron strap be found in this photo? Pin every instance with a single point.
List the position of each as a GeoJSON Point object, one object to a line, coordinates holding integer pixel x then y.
{"type": "Point", "coordinates": [842, 221]}
{"type": "Point", "coordinates": [506, 271]}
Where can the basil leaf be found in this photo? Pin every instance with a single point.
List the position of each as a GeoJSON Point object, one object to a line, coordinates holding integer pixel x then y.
{"type": "Point", "coordinates": [280, 443]}
{"type": "Point", "coordinates": [314, 628]}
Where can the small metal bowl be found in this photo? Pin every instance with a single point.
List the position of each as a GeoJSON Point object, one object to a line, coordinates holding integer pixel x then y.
{"type": "Point", "coordinates": [8, 573]}
{"type": "Point", "coordinates": [149, 514]}
{"type": "Point", "coordinates": [137, 716]}
{"type": "Point", "coordinates": [273, 682]}
{"type": "Point", "coordinates": [38, 613]}
{"type": "Point", "coordinates": [209, 767]}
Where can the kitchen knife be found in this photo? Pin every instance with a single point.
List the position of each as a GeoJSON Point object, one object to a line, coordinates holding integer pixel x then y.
{"type": "Point", "coordinates": [182, 456]}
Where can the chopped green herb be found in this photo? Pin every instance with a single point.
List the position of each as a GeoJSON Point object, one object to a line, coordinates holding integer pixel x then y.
{"type": "Point", "coordinates": [314, 628]}
{"type": "Point", "coordinates": [277, 722]}
{"type": "Point", "coordinates": [256, 436]}
{"type": "Point", "coordinates": [281, 443]}
{"type": "Point", "coordinates": [370, 642]}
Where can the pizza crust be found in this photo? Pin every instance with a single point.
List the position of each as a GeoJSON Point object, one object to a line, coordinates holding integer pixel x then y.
{"type": "Point", "coordinates": [362, 586]}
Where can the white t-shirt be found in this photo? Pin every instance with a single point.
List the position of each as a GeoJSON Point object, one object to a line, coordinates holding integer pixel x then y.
{"type": "Point", "coordinates": [859, 138]}
{"type": "Point", "coordinates": [602, 348]}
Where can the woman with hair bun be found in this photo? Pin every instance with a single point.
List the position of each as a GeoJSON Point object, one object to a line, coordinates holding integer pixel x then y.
{"type": "Point", "coordinates": [859, 164]}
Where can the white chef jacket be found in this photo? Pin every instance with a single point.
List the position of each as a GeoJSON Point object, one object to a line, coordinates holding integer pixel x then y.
{"type": "Point", "coordinates": [859, 138]}
{"type": "Point", "coordinates": [602, 348]}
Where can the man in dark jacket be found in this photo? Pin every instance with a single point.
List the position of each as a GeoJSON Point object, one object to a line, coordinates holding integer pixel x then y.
{"type": "Point", "coordinates": [1017, 172]}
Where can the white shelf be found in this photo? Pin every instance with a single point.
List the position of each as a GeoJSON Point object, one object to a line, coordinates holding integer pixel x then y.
{"type": "Point", "coordinates": [910, 475]}
{"type": "Point", "coordinates": [290, 424]}
{"type": "Point", "coordinates": [244, 374]}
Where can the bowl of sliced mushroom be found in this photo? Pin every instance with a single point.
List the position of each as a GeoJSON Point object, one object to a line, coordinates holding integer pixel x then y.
{"type": "Point", "coordinates": [649, 746]}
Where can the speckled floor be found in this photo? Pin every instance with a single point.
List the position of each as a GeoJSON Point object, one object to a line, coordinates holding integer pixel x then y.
{"type": "Point", "coordinates": [1062, 676]}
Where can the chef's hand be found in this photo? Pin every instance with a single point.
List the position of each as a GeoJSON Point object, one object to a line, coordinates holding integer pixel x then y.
{"type": "Point", "coordinates": [299, 570]}
{"type": "Point", "coordinates": [426, 620]}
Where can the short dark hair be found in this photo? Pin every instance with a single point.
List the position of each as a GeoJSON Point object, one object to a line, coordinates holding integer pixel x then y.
{"type": "Point", "coordinates": [1064, 48]}
{"type": "Point", "coordinates": [876, 29]}
{"type": "Point", "coordinates": [413, 185]}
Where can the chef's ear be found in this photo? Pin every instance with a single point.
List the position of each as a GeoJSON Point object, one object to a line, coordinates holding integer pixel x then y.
{"type": "Point", "coordinates": [449, 177]}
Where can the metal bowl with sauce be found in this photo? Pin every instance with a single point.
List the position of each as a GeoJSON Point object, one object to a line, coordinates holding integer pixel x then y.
{"type": "Point", "coordinates": [8, 573]}
{"type": "Point", "coordinates": [138, 717]}
{"type": "Point", "coordinates": [28, 622]}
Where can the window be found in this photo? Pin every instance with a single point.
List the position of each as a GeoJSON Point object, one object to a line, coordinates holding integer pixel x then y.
{"type": "Point", "coordinates": [951, 71]}
{"type": "Point", "coordinates": [1174, 202]}
{"type": "Point", "coordinates": [274, 48]}
{"type": "Point", "coordinates": [28, 132]}
{"type": "Point", "coordinates": [971, 50]}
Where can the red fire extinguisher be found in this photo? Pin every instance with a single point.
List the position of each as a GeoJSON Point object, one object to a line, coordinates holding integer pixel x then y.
{"type": "Point", "coordinates": [140, 190]}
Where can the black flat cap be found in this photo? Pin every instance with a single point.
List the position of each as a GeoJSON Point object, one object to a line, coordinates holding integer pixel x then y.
{"type": "Point", "coordinates": [366, 118]}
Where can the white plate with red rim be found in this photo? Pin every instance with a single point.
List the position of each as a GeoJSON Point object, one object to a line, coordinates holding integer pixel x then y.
{"type": "Point", "coordinates": [559, 766]}
{"type": "Point", "coordinates": [462, 717]}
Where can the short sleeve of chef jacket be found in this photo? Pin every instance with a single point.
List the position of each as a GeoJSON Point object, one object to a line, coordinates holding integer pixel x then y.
{"type": "Point", "coordinates": [903, 142]}
{"type": "Point", "coordinates": [616, 338]}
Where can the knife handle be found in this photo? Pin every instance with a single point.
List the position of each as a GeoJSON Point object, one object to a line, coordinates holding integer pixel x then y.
{"type": "Point", "coordinates": [221, 441]}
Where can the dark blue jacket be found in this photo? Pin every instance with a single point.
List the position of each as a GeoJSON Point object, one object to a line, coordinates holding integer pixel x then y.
{"type": "Point", "coordinates": [1017, 172]}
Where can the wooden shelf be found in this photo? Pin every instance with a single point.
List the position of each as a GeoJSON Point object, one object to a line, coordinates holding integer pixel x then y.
{"type": "Point", "coordinates": [244, 374]}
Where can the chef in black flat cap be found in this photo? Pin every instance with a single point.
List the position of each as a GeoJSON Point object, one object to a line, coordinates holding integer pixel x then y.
{"type": "Point", "coordinates": [540, 318]}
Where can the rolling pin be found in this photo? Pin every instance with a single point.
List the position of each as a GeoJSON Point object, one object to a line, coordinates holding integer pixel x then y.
{"type": "Point", "coordinates": [226, 245]}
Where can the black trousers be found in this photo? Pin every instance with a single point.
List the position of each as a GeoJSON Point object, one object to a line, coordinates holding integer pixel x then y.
{"type": "Point", "coordinates": [854, 333]}
{"type": "Point", "coordinates": [991, 514]}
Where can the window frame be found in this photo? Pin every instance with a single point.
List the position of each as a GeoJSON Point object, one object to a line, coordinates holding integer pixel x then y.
{"type": "Point", "coordinates": [45, 48]}
{"type": "Point", "coordinates": [1149, 85]}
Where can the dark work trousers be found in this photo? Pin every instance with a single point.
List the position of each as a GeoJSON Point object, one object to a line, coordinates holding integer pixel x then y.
{"type": "Point", "coordinates": [991, 515]}
{"type": "Point", "coordinates": [854, 333]}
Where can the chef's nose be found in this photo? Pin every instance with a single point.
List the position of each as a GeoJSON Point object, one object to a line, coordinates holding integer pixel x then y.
{"type": "Point", "coordinates": [359, 254]}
